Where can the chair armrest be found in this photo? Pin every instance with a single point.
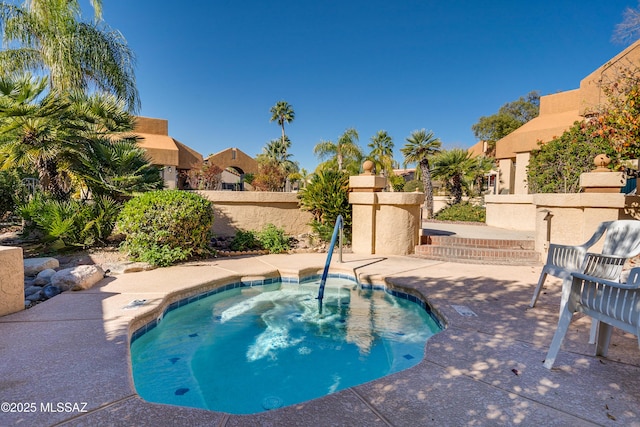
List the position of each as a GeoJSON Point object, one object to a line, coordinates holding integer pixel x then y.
{"type": "Point", "coordinates": [566, 256]}
{"type": "Point", "coordinates": [611, 283]}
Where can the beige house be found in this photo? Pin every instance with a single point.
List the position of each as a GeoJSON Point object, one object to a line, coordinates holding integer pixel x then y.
{"type": "Point", "coordinates": [171, 155]}
{"type": "Point", "coordinates": [558, 112]}
{"type": "Point", "coordinates": [235, 164]}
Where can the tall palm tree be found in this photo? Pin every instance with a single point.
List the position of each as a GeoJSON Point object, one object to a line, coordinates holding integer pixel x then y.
{"type": "Point", "coordinates": [420, 146]}
{"type": "Point", "coordinates": [48, 35]}
{"type": "Point", "coordinates": [381, 153]}
{"type": "Point", "coordinates": [455, 167]}
{"type": "Point", "coordinates": [283, 113]}
{"type": "Point", "coordinates": [345, 149]}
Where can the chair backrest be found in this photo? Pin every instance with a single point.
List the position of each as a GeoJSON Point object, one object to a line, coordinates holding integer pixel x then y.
{"type": "Point", "coordinates": [622, 238]}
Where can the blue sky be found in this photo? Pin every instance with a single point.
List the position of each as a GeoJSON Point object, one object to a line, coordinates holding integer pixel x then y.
{"type": "Point", "coordinates": [215, 68]}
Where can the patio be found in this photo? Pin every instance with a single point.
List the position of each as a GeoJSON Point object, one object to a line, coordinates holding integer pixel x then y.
{"type": "Point", "coordinates": [482, 370]}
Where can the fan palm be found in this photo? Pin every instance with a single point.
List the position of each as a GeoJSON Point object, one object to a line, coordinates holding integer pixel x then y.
{"type": "Point", "coordinates": [455, 167]}
{"type": "Point", "coordinates": [346, 149]}
{"type": "Point", "coordinates": [283, 113]}
{"type": "Point", "coordinates": [420, 146]}
{"type": "Point", "coordinates": [47, 35]}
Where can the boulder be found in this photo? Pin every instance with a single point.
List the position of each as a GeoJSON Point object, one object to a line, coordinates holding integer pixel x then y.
{"type": "Point", "coordinates": [33, 266]}
{"type": "Point", "coordinates": [44, 277]}
{"type": "Point", "coordinates": [127, 267]}
{"type": "Point", "coordinates": [77, 278]}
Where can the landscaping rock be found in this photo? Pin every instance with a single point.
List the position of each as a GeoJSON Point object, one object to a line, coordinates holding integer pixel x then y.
{"type": "Point", "coordinates": [35, 297]}
{"type": "Point", "coordinates": [32, 290]}
{"type": "Point", "coordinates": [127, 267]}
{"type": "Point", "coordinates": [50, 291]}
{"type": "Point", "coordinates": [33, 266]}
{"type": "Point", "coordinates": [77, 278]}
{"type": "Point", "coordinates": [44, 277]}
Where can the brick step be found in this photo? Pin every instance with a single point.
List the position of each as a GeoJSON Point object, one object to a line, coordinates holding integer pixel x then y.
{"type": "Point", "coordinates": [454, 241]}
{"type": "Point", "coordinates": [478, 255]}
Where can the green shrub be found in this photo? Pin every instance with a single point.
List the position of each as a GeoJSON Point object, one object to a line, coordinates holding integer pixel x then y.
{"type": "Point", "coordinates": [244, 241]}
{"type": "Point", "coordinates": [464, 211]}
{"type": "Point", "coordinates": [413, 185]}
{"type": "Point", "coordinates": [273, 239]}
{"type": "Point", "coordinates": [166, 226]}
{"type": "Point", "coordinates": [326, 197]}
{"type": "Point", "coordinates": [71, 222]}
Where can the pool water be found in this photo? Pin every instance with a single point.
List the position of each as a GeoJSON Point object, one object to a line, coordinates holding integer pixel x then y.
{"type": "Point", "coordinates": [252, 349]}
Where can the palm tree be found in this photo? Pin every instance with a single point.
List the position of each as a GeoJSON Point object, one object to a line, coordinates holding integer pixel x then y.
{"type": "Point", "coordinates": [345, 149]}
{"type": "Point", "coordinates": [69, 139]}
{"type": "Point", "coordinates": [420, 146]}
{"type": "Point", "coordinates": [381, 153]}
{"type": "Point", "coordinates": [455, 167]}
{"type": "Point", "coordinates": [283, 113]}
{"type": "Point", "coordinates": [47, 35]}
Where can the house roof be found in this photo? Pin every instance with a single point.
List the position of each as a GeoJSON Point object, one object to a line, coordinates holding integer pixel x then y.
{"type": "Point", "coordinates": [161, 148]}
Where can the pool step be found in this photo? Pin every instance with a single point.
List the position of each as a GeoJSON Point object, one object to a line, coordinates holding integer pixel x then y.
{"type": "Point", "coordinates": [478, 250]}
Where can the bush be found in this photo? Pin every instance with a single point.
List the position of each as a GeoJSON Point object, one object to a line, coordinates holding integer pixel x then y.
{"type": "Point", "coordinates": [464, 211]}
{"type": "Point", "coordinates": [273, 239]}
{"type": "Point", "coordinates": [71, 222]}
{"type": "Point", "coordinates": [244, 241]}
{"type": "Point", "coordinates": [326, 197]}
{"type": "Point", "coordinates": [413, 185]}
{"type": "Point", "coordinates": [166, 226]}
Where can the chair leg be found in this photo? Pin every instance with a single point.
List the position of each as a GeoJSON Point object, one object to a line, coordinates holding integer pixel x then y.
{"type": "Point", "coordinates": [604, 338]}
{"type": "Point", "coordinates": [536, 293]}
{"type": "Point", "coordinates": [558, 337]}
{"type": "Point", "coordinates": [566, 292]}
{"type": "Point", "coordinates": [593, 333]}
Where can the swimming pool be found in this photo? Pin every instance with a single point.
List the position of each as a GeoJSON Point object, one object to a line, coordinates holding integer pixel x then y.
{"type": "Point", "coordinates": [253, 347]}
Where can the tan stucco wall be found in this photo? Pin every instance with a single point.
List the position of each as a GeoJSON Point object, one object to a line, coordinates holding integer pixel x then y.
{"type": "Point", "coordinates": [252, 210]}
{"type": "Point", "coordinates": [151, 125]}
{"type": "Point", "coordinates": [506, 176]}
{"type": "Point", "coordinates": [225, 159]}
{"type": "Point", "coordinates": [386, 223]}
{"type": "Point", "coordinates": [520, 177]}
{"type": "Point", "coordinates": [11, 280]}
{"type": "Point", "coordinates": [513, 212]}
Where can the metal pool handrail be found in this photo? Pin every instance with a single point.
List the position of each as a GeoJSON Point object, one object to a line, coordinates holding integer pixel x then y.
{"type": "Point", "coordinates": [337, 231]}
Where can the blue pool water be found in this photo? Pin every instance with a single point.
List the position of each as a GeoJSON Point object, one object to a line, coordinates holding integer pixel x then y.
{"type": "Point", "coordinates": [251, 349]}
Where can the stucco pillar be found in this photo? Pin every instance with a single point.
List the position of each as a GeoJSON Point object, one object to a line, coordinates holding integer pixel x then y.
{"type": "Point", "coordinates": [520, 179]}
{"type": "Point", "coordinates": [507, 172]}
{"type": "Point", "coordinates": [11, 280]}
{"type": "Point", "coordinates": [384, 223]}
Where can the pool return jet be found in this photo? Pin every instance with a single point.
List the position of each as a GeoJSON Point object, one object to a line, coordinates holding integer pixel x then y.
{"type": "Point", "coordinates": [337, 231]}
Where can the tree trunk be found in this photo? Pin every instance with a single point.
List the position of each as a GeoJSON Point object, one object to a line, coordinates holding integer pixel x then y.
{"type": "Point", "coordinates": [428, 188]}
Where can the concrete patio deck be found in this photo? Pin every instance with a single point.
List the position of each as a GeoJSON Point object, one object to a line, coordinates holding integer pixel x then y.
{"type": "Point", "coordinates": [482, 370]}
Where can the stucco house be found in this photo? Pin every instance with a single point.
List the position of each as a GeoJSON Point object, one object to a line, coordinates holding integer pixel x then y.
{"type": "Point", "coordinates": [235, 164]}
{"type": "Point", "coordinates": [558, 112]}
{"type": "Point", "coordinates": [173, 157]}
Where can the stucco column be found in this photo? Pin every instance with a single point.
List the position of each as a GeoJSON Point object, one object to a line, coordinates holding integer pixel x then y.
{"type": "Point", "coordinates": [11, 280]}
{"type": "Point", "coordinates": [384, 223]}
{"type": "Point", "coordinates": [520, 179]}
{"type": "Point", "coordinates": [507, 176]}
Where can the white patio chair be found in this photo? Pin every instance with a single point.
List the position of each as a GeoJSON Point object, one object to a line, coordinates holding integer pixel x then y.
{"type": "Point", "coordinates": [622, 241]}
{"type": "Point", "coordinates": [610, 303]}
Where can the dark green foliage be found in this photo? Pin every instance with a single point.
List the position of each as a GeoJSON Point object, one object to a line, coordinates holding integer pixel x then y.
{"type": "Point", "coordinates": [163, 227]}
{"type": "Point", "coordinates": [463, 211]}
{"type": "Point", "coordinates": [557, 165]}
{"type": "Point", "coordinates": [413, 185]}
{"type": "Point", "coordinates": [12, 192]}
{"type": "Point", "coordinates": [71, 222]}
{"type": "Point", "coordinates": [245, 241]}
{"type": "Point", "coordinates": [326, 197]}
{"type": "Point", "coordinates": [273, 239]}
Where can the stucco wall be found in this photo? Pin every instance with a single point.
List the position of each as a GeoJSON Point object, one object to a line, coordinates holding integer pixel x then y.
{"type": "Point", "coordinates": [11, 280]}
{"type": "Point", "coordinates": [511, 211]}
{"type": "Point", "coordinates": [252, 210]}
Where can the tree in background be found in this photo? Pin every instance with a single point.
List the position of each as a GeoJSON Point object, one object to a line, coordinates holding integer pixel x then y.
{"type": "Point", "coordinates": [274, 166]}
{"type": "Point", "coordinates": [282, 113]}
{"type": "Point", "coordinates": [48, 35]}
{"type": "Point", "coordinates": [207, 177]}
{"type": "Point", "coordinates": [346, 154]}
{"type": "Point", "coordinates": [556, 166]}
{"type": "Point", "coordinates": [455, 168]}
{"type": "Point", "coordinates": [628, 31]}
{"type": "Point", "coordinates": [509, 117]}
{"type": "Point", "coordinates": [420, 147]}
{"type": "Point", "coordinates": [381, 153]}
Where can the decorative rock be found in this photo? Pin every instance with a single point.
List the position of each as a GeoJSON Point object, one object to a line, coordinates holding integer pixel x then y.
{"type": "Point", "coordinates": [35, 297]}
{"type": "Point", "coordinates": [33, 266]}
{"type": "Point", "coordinates": [77, 278]}
{"type": "Point", "coordinates": [32, 290]}
{"type": "Point", "coordinates": [44, 277]}
{"type": "Point", "coordinates": [127, 267]}
{"type": "Point", "coordinates": [50, 291]}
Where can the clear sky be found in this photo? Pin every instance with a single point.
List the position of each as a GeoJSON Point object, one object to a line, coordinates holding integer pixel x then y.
{"type": "Point", "coordinates": [215, 68]}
